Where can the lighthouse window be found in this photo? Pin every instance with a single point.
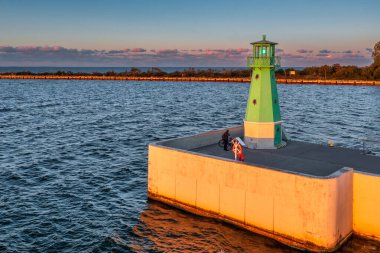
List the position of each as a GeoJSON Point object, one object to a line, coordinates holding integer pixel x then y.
{"type": "Point", "coordinates": [257, 76]}
{"type": "Point", "coordinates": [275, 101]}
{"type": "Point", "coordinates": [254, 102]}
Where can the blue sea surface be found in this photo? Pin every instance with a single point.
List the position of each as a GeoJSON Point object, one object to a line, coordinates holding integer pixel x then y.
{"type": "Point", "coordinates": [73, 159]}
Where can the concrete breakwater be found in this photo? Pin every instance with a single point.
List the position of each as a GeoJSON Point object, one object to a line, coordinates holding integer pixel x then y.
{"type": "Point", "coordinates": [194, 79]}
{"type": "Point", "coordinates": [313, 199]}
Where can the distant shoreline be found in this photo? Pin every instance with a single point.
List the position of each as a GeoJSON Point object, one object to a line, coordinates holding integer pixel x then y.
{"type": "Point", "coordinates": [191, 79]}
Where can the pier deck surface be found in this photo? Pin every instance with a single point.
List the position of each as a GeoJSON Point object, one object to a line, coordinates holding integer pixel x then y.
{"type": "Point", "coordinates": [300, 157]}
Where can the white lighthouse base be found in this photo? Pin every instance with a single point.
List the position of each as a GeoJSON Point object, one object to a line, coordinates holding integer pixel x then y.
{"type": "Point", "coordinates": [259, 143]}
{"type": "Point", "coordinates": [263, 135]}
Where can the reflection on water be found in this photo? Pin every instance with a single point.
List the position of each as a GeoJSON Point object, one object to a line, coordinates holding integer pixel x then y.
{"type": "Point", "coordinates": [162, 228]}
{"type": "Point", "coordinates": [166, 229]}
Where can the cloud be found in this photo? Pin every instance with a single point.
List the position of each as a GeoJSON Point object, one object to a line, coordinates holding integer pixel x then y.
{"type": "Point", "coordinates": [304, 51]}
{"type": "Point", "coordinates": [7, 49]}
{"type": "Point", "coordinates": [61, 56]}
{"type": "Point", "coordinates": [35, 49]}
{"type": "Point", "coordinates": [325, 51]}
{"type": "Point", "coordinates": [239, 50]}
{"type": "Point", "coordinates": [115, 52]}
{"type": "Point", "coordinates": [352, 56]}
{"type": "Point", "coordinates": [167, 52]}
{"type": "Point", "coordinates": [138, 50]}
{"type": "Point", "coordinates": [325, 57]}
{"type": "Point", "coordinates": [292, 56]}
{"type": "Point", "coordinates": [38, 51]}
{"type": "Point", "coordinates": [322, 55]}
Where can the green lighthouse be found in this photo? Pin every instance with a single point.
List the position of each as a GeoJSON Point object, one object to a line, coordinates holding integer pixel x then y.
{"type": "Point", "coordinates": [262, 124]}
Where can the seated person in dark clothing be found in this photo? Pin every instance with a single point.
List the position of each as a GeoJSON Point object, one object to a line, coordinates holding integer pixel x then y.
{"type": "Point", "coordinates": [225, 138]}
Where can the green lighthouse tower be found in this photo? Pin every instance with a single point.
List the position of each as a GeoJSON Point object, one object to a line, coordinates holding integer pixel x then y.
{"type": "Point", "coordinates": [262, 124]}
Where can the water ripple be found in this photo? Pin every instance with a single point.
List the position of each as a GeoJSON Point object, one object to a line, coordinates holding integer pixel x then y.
{"type": "Point", "coordinates": [73, 159]}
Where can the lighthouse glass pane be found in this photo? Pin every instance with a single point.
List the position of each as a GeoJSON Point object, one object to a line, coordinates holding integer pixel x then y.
{"type": "Point", "coordinates": [264, 51]}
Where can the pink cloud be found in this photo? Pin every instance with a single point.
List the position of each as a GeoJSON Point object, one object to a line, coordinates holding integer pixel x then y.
{"type": "Point", "coordinates": [168, 52]}
{"type": "Point", "coordinates": [138, 50]}
{"type": "Point", "coordinates": [304, 51]}
{"type": "Point", "coordinates": [61, 56]}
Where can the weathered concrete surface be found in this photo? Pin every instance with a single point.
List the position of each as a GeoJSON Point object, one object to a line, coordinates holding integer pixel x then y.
{"type": "Point", "coordinates": [301, 157]}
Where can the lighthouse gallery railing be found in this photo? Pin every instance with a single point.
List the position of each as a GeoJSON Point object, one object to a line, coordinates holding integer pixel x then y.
{"type": "Point", "coordinates": [273, 61]}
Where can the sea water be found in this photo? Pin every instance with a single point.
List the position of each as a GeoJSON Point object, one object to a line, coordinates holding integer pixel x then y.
{"type": "Point", "coordinates": [73, 159]}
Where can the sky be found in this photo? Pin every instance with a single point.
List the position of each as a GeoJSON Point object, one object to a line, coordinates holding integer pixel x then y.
{"type": "Point", "coordinates": [171, 33]}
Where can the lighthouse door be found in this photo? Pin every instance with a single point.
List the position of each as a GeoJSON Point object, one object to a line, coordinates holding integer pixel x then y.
{"type": "Point", "coordinates": [277, 134]}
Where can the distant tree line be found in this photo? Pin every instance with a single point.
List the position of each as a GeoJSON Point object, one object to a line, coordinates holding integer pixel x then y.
{"type": "Point", "coordinates": [152, 72]}
{"type": "Point", "coordinates": [335, 71]}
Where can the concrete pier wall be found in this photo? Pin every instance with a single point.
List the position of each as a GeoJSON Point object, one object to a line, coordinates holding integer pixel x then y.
{"type": "Point", "coordinates": [366, 205]}
{"type": "Point", "coordinates": [306, 212]}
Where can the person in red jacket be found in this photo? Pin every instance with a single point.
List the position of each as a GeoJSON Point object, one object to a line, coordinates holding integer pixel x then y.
{"type": "Point", "coordinates": [240, 156]}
